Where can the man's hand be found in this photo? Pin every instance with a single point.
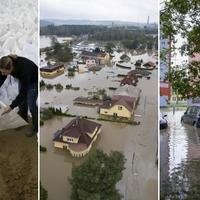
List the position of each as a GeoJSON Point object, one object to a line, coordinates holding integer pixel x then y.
{"type": "Point", "coordinates": [6, 110]}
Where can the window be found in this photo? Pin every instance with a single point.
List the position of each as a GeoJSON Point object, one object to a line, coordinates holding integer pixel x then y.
{"type": "Point", "coordinates": [189, 110]}
{"type": "Point", "coordinates": [192, 110]}
{"type": "Point", "coordinates": [119, 107]}
{"type": "Point", "coordinates": [195, 110]}
{"type": "Point", "coordinates": [69, 140]}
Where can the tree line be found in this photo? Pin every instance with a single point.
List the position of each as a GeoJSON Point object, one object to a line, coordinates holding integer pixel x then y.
{"type": "Point", "coordinates": [182, 17]}
{"type": "Point", "coordinates": [131, 37]}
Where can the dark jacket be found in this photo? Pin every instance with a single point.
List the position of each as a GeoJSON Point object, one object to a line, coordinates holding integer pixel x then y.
{"type": "Point", "coordinates": [26, 72]}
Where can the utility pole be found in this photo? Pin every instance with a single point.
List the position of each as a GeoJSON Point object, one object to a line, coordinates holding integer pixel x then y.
{"type": "Point", "coordinates": [148, 20]}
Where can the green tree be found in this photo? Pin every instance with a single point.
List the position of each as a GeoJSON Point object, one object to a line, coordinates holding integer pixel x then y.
{"type": "Point", "coordinates": [43, 193]}
{"type": "Point", "coordinates": [53, 40]}
{"type": "Point", "coordinates": [59, 52]}
{"type": "Point", "coordinates": [96, 178]}
{"type": "Point", "coordinates": [182, 17]}
{"type": "Point", "coordinates": [109, 47]}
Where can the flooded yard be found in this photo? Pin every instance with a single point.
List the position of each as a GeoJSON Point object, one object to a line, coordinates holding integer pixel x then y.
{"type": "Point", "coordinates": [138, 143]}
{"type": "Point", "coordinates": [180, 158]}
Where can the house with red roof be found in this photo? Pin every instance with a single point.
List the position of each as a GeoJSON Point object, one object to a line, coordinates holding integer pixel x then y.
{"type": "Point", "coordinates": [123, 103]}
{"type": "Point", "coordinates": [119, 106]}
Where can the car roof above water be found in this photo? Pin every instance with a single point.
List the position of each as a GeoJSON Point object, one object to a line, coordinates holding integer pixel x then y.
{"type": "Point", "coordinates": [196, 106]}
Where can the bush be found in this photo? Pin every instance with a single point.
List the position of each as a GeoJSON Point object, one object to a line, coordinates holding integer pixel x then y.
{"type": "Point", "coordinates": [43, 193]}
{"type": "Point", "coordinates": [43, 149]}
{"type": "Point", "coordinates": [96, 178]}
{"type": "Point", "coordinates": [71, 73]}
{"type": "Point", "coordinates": [59, 86]}
{"type": "Point", "coordinates": [68, 86]}
{"type": "Point", "coordinates": [49, 86]}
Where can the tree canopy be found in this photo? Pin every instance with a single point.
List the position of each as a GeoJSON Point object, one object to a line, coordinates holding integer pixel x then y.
{"type": "Point", "coordinates": [132, 37]}
{"type": "Point", "coordinates": [96, 178]}
{"type": "Point", "coordinates": [183, 17]}
{"type": "Point", "coordinates": [109, 47]}
{"type": "Point", "coordinates": [59, 52]}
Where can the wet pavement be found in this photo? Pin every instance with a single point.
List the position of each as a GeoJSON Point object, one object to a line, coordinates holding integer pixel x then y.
{"type": "Point", "coordinates": [138, 143]}
{"type": "Point", "coordinates": [179, 145]}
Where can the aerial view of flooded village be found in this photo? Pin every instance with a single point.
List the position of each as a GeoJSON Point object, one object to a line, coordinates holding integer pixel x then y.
{"type": "Point", "coordinates": [99, 91]}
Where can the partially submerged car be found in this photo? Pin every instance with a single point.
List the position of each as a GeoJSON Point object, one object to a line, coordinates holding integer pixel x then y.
{"type": "Point", "coordinates": [192, 116]}
{"type": "Point", "coordinates": [163, 121]}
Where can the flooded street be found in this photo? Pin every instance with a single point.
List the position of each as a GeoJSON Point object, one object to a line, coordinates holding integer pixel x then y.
{"type": "Point", "coordinates": [180, 146]}
{"type": "Point", "coordinates": [138, 143]}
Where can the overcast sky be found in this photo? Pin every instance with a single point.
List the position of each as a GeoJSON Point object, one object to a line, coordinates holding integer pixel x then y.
{"type": "Point", "coordinates": [123, 10]}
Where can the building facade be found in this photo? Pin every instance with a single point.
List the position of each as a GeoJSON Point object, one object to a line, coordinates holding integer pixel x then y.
{"type": "Point", "coordinates": [77, 136]}
{"type": "Point", "coordinates": [165, 88]}
{"type": "Point", "coordinates": [52, 71]}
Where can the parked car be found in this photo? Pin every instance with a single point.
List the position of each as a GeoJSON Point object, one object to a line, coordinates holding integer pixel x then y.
{"type": "Point", "coordinates": [192, 116]}
{"type": "Point", "coordinates": [163, 121]}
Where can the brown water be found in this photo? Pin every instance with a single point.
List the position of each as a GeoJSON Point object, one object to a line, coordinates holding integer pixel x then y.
{"type": "Point", "coordinates": [138, 143]}
{"type": "Point", "coordinates": [18, 165]}
{"type": "Point", "coordinates": [180, 144]}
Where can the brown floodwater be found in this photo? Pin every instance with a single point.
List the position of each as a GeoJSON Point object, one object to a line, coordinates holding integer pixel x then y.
{"type": "Point", "coordinates": [138, 143]}
{"type": "Point", "coordinates": [18, 165]}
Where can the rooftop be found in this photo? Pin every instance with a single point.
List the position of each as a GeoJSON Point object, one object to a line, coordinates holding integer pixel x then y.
{"type": "Point", "coordinates": [150, 64]}
{"type": "Point", "coordinates": [126, 101]}
{"type": "Point", "coordinates": [128, 90]}
{"type": "Point", "coordinates": [52, 67]}
{"type": "Point", "coordinates": [79, 128]}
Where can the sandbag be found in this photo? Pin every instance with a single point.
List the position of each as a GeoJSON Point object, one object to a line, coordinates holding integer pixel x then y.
{"type": "Point", "coordinates": [10, 120]}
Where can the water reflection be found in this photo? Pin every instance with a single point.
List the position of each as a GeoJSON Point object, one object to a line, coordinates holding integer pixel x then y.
{"type": "Point", "coordinates": [181, 175]}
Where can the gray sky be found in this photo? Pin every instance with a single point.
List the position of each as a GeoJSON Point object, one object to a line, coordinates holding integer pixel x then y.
{"type": "Point", "coordinates": [123, 10]}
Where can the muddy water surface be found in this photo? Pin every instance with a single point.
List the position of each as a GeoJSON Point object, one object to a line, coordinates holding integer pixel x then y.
{"type": "Point", "coordinates": [18, 165]}
{"type": "Point", "coordinates": [138, 143]}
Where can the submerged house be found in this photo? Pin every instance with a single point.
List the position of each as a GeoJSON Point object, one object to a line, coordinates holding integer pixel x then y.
{"type": "Point", "coordinates": [129, 80]}
{"type": "Point", "coordinates": [119, 106]}
{"type": "Point", "coordinates": [88, 55]}
{"type": "Point", "coordinates": [99, 57]}
{"type": "Point", "coordinates": [77, 136]}
{"type": "Point", "coordinates": [123, 103]}
{"type": "Point", "coordinates": [103, 58]}
{"type": "Point", "coordinates": [52, 71]}
{"type": "Point", "coordinates": [149, 65]}
{"type": "Point", "coordinates": [125, 58]}
{"type": "Point", "coordinates": [90, 62]}
{"type": "Point", "coordinates": [139, 73]}
{"type": "Point", "coordinates": [129, 90]}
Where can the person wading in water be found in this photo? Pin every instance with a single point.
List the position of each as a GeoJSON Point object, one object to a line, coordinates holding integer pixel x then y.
{"type": "Point", "coordinates": [26, 72]}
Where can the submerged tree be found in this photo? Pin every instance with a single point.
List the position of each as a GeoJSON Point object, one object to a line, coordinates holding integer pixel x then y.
{"type": "Point", "coordinates": [109, 47]}
{"type": "Point", "coordinates": [183, 17]}
{"type": "Point", "coordinates": [96, 178]}
{"type": "Point", "coordinates": [60, 52]}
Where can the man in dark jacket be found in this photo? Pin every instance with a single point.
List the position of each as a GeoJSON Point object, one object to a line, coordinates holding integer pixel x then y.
{"type": "Point", "coordinates": [26, 72]}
